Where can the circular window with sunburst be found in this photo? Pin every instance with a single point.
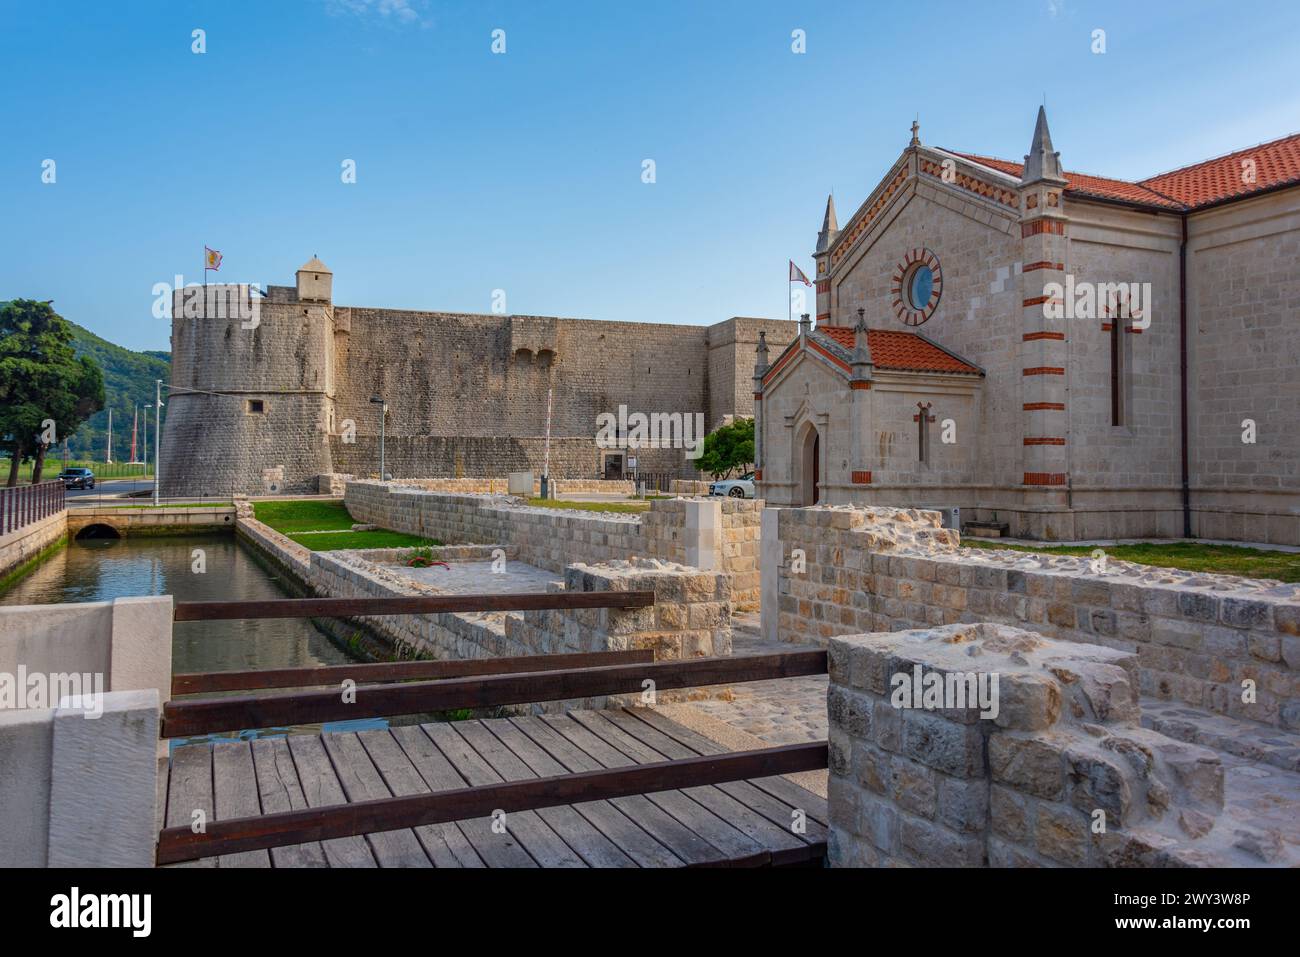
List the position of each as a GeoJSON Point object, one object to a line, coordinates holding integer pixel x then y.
{"type": "Point", "coordinates": [918, 284]}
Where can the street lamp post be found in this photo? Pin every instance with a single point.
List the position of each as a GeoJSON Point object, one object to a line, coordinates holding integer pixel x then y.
{"type": "Point", "coordinates": [145, 457]}
{"type": "Point", "coordinates": [383, 414]}
{"type": "Point", "coordinates": [157, 436]}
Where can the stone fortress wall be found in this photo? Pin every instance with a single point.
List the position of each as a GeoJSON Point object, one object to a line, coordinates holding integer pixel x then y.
{"type": "Point", "coordinates": [281, 401]}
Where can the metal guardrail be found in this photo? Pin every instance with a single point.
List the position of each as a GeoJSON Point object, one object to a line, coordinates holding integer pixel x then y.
{"type": "Point", "coordinates": [24, 505]}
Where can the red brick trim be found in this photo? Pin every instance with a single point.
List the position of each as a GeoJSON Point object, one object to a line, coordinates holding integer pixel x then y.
{"type": "Point", "coordinates": [1106, 327]}
{"type": "Point", "coordinates": [823, 285]}
{"type": "Point", "coordinates": [1035, 336]}
{"type": "Point", "coordinates": [1036, 226]}
{"type": "Point", "coordinates": [1044, 478]}
{"type": "Point", "coordinates": [758, 475]}
{"type": "Point", "coordinates": [861, 477]}
{"type": "Point", "coordinates": [859, 384]}
{"type": "Point", "coordinates": [1043, 264]}
{"type": "Point", "coordinates": [823, 315]}
{"type": "Point", "coordinates": [1039, 300]}
{"type": "Point", "coordinates": [1044, 406]}
{"type": "Point", "coordinates": [1041, 440]}
{"type": "Point", "coordinates": [758, 397]}
{"type": "Point", "coordinates": [1045, 370]}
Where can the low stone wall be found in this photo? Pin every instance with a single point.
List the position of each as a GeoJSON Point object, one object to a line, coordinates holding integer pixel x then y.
{"type": "Point", "coordinates": [500, 486]}
{"type": "Point", "coordinates": [691, 616]}
{"type": "Point", "coordinates": [1230, 645]}
{"type": "Point", "coordinates": [688, 487]}
{"type": "Point", "coordinates": [167, 520]}
{"type": "Point", "coordinates": [708, 533]}
{"type": "Point", "coordinates": [1049, 769]}
{"type": "Point", "coordinates": [24, 544]}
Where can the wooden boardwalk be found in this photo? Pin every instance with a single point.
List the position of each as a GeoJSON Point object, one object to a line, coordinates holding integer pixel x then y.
{"type": "Point", "coordinates": [743, 822]}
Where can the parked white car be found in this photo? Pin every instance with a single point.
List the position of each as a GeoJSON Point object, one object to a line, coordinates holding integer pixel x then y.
{"type": "Point", "coordinates": [742, 487]}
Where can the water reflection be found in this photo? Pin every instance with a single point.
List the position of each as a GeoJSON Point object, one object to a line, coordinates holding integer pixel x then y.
{"type": "Point", "coordinates": [102, 569]}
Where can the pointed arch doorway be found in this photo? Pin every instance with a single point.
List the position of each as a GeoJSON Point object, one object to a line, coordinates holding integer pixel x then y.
{"type": "Point", "coordinates": [810, 466]}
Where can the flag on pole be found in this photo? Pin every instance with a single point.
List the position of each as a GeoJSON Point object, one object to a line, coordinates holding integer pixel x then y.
{"type": "Point", "coordinates": [796, 274]}
{"type": "Point", "coordinates": [211, 259]}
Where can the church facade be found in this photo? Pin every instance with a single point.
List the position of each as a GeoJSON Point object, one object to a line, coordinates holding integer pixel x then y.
{"type": "Point", "coordinates": [1068, 355]}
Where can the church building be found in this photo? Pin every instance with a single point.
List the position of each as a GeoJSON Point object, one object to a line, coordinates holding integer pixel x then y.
{"type": "Point", "coordinates": [1067, 355]}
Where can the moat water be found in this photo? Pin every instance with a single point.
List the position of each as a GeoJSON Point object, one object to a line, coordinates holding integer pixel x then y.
{"type": "Point", "coordinates": [102, 569]}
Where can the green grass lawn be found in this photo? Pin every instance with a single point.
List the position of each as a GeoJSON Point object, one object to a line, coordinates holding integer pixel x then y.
{"type": "Point", "coordinates": [301, 516]}
{"type": "Point", "coordinates": [327, 527]}
{"type": "Point", "coordinates": [379, 538]}
{"type": "Point", "coordinates": [102, 470]}
{"type": "Point", "coordinates": [1188, 556]}
{"type": "Point", "coordinates": [590, 506]}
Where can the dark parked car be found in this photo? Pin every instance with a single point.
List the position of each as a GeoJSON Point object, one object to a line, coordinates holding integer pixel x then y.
{"type": "Point", "coordinates": [77, 478]}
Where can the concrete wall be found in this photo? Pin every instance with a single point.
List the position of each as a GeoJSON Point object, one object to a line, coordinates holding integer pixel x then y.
{"type": "Point", "coordinates": [78, 792]}
{"type": "Point", "coordinates": [78, 774]}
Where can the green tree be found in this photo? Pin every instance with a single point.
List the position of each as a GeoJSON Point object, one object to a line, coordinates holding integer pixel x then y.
{"type": "Point", "coordinates": [727, 448]}
{"type": "Point", "coordinates": [46, 391]}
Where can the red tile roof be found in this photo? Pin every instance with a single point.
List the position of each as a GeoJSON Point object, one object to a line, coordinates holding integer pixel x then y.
{"type": "Point", "coordinates": [892, 349]}
{"type": "Point", "coordinates": [1085, 185]}
{"type": "Point", "coordinates": [1276, 163]}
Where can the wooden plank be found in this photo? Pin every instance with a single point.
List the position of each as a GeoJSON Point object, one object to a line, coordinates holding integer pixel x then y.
{"type": "Point", "coordinates": [234, 794]}
{"type": "Point", "coordinates": [402, 779]}
{"type": "Point", "coordinates": [728, 840]}
{"type": "Point", "coordinates": [760, 802]}
{"type": "Point", "coordinates": [204, 715]}
{"type": "Point", "coordinates": [361, 782]}
{"type": "Point", "coordinates": [636, 843]}
{"type": "Point", "coordinates": [222, 681]}
{"type": "Point", "coordinates": [189, 791]}
{"type": "Point", "coordinates": [780, 788]}
{"type": "Point", "coordinates": [643, 809]}
{"type": "Point", "coordinates": [383, 815]}
{"type": "Point", "coordinates": [321, 788]}
{"type": "Point", "coordinates": [763, 832]}
{"type": "Point", "coordinates": [496, 850]}
{"type": "Point", "coordinates": [407, 605]}
{"type": "Point", "coordinates": [545, 846]}
{"type": "Point", "coordinates": [278, 790]}
{"type": "Point", "coordinates": [587, 842]}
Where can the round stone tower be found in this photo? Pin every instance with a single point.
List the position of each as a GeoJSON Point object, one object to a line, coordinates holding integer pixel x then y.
{"type": "Point", "coordinates": [252, 394]}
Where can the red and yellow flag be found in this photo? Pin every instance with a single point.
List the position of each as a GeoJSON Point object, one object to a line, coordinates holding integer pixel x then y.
{"type": "Point", "coordinates": [211, 259]}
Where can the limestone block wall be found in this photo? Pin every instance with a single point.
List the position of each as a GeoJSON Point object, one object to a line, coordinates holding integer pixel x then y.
{"type": "Point", "coordinates": [23, 544]}
{"type": "Point", "coordinates": [1049, 767]}
{"type": "Point", "coordinates": [500, 486]}
{"type": "Point", "coordinates": [1230, 645]}
{"type": "Point", "coordinates": [691, 616]}
{"type": "Point", "coordinates": [554, 538]}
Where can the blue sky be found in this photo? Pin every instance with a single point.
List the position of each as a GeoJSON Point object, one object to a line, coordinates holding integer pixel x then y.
{"type": "Point", "coordinates": [522, 171]}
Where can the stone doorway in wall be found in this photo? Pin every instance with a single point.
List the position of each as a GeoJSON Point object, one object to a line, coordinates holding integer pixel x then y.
{"type": "Point", "coordinates": [612, 466]}
{"type": "Point", "coordinates": [810, 466]}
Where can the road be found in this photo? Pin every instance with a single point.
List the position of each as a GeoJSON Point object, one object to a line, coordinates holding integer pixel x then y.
{"type": "Point", "coordinates": [106, 488]}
